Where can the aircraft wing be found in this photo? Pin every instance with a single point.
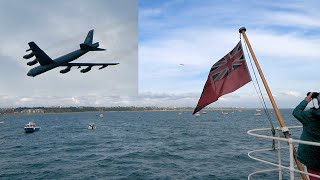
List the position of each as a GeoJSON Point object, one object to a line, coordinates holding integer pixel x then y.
{"type": "Point", "coordinates": [41, 56]}
{"type": "Point", "coordinates": [89, 64]}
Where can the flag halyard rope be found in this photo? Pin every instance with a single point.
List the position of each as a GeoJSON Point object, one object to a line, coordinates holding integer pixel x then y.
{"type": "Point", "coordinates": [260, 96]}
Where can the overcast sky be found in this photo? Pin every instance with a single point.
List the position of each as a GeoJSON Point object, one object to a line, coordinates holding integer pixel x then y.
{"type": "Point", "coordinates": [284, 34]}
{"type": "Point", "coordinates": [58, 27]}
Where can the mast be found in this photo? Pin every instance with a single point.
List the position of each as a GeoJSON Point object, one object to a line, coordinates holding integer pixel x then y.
{"type": "Point", "coordinates": [284, 128]}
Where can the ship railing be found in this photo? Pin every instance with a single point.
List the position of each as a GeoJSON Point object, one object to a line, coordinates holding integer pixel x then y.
{"type": "Point", "coordinates": [280, 165]}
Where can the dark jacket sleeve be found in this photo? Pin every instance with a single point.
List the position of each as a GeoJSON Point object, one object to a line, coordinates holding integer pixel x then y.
{"type": "Point", "coordinates": [303, 116]}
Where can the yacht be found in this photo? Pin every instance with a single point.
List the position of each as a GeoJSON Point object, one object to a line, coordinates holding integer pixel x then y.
{"type": "Point", "coordinates": [197, 114]}
{"type": "Point", "coordinates": [92, 126]}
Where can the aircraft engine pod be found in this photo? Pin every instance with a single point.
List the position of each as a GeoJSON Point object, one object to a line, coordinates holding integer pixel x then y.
{"type": "Point", "coordinates": [28, 56]}
{"type": "Point", "coordinates": [31, 63]}
{"type": "Point", "coordinates": [104, 66]}
{"type": "Point", "coordinates": [65, 70]}
{"type": "Point", "coordinates": [86, 69]}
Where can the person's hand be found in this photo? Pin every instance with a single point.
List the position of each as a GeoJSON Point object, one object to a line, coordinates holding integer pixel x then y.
{"type": "Point", "coordinates": [308, 98]}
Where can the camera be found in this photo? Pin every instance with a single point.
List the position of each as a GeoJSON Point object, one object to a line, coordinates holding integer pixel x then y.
{"type": "Point", "coordinates": [314, 95]}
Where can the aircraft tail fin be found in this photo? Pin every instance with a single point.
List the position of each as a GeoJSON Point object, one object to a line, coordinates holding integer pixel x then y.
{"type": "Point", "coordinates": [87, 44]}
{"type": "Point", "coordinates": [89, 38]}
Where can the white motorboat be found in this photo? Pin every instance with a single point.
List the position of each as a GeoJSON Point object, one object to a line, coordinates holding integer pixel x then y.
{"type": "Point", "coordinates": [31, 127]}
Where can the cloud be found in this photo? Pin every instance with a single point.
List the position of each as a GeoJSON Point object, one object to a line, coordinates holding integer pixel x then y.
{"type": "Point", "coordinates": [199, 34]}
{"type": "Point", "coordinates": [294, 19]}
{"type": "Point", "coordinates": [150, 99]}
{"type": "Point", "coordinates": [292, 93]}
{"type": "Point", "coordinates": [25, 99]}
{"type": "Point", "coordinates": [198, 49]}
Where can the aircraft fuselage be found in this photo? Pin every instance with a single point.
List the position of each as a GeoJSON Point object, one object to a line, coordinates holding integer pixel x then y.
{"type": "Point", "coordinates": [57, 62]}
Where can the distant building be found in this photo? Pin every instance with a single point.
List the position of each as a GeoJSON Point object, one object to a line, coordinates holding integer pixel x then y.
{"type": "Point", "coordinates": [32, 111]}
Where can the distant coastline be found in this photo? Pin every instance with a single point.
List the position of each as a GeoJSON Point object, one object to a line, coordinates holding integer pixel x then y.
{"type": "Point", "coordinates": [43, 110]}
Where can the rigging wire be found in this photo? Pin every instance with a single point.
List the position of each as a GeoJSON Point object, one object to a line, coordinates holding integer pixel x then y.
{"type": "Point", "coordinates": [262, 101]}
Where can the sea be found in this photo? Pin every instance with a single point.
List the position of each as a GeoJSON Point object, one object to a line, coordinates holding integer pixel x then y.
{"type": "Point", "coordinates": [137, 145]}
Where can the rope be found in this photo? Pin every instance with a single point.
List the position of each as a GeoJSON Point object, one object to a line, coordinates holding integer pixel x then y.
{"type": "Point", "coordinates": [261, 99]}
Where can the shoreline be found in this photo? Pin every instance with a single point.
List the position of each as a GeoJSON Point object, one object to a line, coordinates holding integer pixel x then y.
{"type": "Point", "coordinates": [54, 110]}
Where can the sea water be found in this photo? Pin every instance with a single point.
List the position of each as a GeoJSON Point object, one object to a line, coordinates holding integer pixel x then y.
{"type": "Point", "coordinates": [135, 145]}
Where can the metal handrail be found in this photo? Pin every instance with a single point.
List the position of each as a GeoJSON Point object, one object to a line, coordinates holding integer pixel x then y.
{"type": "Point", "coordinates": [280, 139]}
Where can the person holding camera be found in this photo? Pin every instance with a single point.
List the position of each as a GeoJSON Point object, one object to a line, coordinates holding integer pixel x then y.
{"type": "Point", "coordinates": [309, 155]}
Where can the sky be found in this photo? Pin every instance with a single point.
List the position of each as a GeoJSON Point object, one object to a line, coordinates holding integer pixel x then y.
{"type": "Point", "coordinates": [58, 28]}
{"type": "Point", "coordinates": [285, 37]}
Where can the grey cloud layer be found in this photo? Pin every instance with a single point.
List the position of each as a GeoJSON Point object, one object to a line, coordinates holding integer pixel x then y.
{"type": "Point", "coordinates": [59, 27]}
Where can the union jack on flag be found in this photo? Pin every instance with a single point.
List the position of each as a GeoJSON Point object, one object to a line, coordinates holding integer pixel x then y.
{"type": "Point", "coordinates": [228, 63]}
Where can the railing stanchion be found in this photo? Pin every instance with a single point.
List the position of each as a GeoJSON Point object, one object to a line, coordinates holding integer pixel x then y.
{"type": "Point", "coordinates": [279, 158]}
{"type": "Point", "coordinates": [291, 159]}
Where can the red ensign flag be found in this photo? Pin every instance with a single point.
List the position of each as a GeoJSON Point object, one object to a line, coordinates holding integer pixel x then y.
{"type": "Point", "coordinates": [225, 76]}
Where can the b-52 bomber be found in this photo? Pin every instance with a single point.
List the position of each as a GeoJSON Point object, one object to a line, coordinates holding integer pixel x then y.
{"type": "Point", "coordinates": [46, 63]}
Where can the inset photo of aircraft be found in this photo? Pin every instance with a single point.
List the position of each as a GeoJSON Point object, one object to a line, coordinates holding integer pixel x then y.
{"type": "Point", "coordinates": [46, 63]}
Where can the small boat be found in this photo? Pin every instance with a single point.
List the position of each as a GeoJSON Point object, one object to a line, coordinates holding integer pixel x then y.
{"type": "Point", "coordinates": [92, 126]}
{"type": "Point", "coordinates": [224, 113]}
{"type": "Point", "coordinates": [203, 112]}
{"type": "Point", "coordinates": [101, 115]}
{"type": "Point", "coordinates": [1, 122]}
{"type": "Point", "coordinates": [31, 127]}
{"type": "Point", "coordinates": [258, 112]}
{"type": "Point", "coordinates": [197, 114]}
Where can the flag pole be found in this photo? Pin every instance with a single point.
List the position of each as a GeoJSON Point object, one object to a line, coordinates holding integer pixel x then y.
{"type": "Point", "coordinates": [284, 128]}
